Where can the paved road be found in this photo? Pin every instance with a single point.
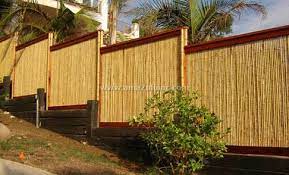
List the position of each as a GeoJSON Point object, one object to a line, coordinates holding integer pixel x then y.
{"type": "Point", "coordinates": [13, 168]}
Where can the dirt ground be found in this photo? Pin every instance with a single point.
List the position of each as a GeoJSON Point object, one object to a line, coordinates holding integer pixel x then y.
{"type": "Point", "coordinates": [57, 154]}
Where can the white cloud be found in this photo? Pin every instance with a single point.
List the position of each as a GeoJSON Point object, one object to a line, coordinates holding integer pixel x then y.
{"type": "Point", "coordinates": [278, 15]}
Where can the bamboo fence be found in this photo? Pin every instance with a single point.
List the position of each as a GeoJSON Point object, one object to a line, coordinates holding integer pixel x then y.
{"type": "Point", "coordinates": [73, 72]}
{"type": "Point", "coordinates": [132, 72]}
{"type": "Point", "coordinates": [30, 67]}
{"type": "Point", "coordinates": [243, 79]}
{"type": "Point", "coordinates": [247, 86]}
{"type": "Point", "coordinates": [7, 52]}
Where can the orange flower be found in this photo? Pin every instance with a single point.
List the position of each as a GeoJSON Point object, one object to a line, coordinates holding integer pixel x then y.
{"type": "Point", "coordinates": [21, 156]}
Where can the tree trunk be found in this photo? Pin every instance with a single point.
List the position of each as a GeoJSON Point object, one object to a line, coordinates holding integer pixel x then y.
{"type": "Point", "coordinates": [113, 13]}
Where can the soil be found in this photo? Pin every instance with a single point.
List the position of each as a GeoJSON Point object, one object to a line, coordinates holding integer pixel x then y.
{"type": "Point", "coordinates": [57, 154]}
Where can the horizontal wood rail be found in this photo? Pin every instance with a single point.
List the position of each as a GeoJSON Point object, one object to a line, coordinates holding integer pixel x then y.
{"type": "Point", "coordinates": [74, 41]}
{"type": "Point", "coordinates": [238, 39]}
{"type": "Point", "coordinates": [5, 38]}
{"type": "Point", "coordinates": [114, 125]}
{"type": "Point", "coordinates": [121, 125]}
{"type": "Point", "coordinates": [141, 41]}
{"type": "Point", "coordinates": [23, 97]}
{"type": "Point", "coordinates": [68, 107]}
{"type": "Point", "coordinates": [34, 41]}
{"type": "Point", "coordinates": [277, 151]}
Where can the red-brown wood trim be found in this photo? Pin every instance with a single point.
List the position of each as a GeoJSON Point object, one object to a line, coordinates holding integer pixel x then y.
{"type": "Point", "coordinates": [277, 151]}
{"type": "Point", "coordinates": [120, 125]}
{"type": "Point", "coordinates": [74, 41]}
{"type": "Point", "coordinates": [5, 38]}
{"type": "Point", "coordinates": [141, 41]}
{"type": "Point", "coordinates": [83, 106]}
{"type": "Point", "coordinates": [239, 39]}
{"type": "Point", "coordinates": [34, 41]}
{"type": "Point", "coordinates": [114, 125]}
{"type": "Point", "coordinates": [25, 96]}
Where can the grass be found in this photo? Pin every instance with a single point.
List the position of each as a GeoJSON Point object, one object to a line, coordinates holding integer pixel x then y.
{"type": "Point", "coordinates": [19, 143]}
{"type": "Point", "coordinates": [31, 146]}
{"type": "Point", "coordinates": [84, 156]}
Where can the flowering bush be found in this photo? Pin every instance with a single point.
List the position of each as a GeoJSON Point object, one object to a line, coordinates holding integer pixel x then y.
{"type": "Point", "coordinates": [185, 135]}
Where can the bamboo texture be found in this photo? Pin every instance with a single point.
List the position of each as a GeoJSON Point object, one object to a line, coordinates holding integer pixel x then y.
{"type": "Point", "coordinates": [7, 49]}
{"type": "Point", "coordinates": [247, 86]}
{"type": "Point", "coordinates": [30, 69]}
{"type": "Point", "coordinates": [73, 74]}
{"type": "Point", "coordinates": [131, 75]}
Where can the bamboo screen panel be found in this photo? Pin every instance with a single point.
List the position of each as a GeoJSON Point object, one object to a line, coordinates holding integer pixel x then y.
{"type": "Point", "coordinates": [129, 76]}
{"type": "Point", "coordinates": [6, 57]}
{"type": "Point", "coordinates": [31, 69]}
{"type": "Point", "coordinates": [247, 86]}
{"type": "Point", "coordinates": [73, 74]}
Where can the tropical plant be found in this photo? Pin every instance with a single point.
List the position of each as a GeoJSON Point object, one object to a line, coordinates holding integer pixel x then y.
{"type": "Point", "coordinates": [207, 19]}
{"type": "Point", "coordinates": [184, 135]}
{"type": "Point", "coordinates": [4, 9]}
{"type": "Point", "coordinates": [30, 20]}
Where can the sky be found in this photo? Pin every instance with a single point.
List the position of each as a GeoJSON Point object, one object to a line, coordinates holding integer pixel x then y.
{"type": "Point", "coordinates": [278, 15]}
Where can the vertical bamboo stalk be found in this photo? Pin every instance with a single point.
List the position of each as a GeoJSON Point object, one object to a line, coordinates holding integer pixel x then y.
{"type": "Point", "coordinates": [183, 68]}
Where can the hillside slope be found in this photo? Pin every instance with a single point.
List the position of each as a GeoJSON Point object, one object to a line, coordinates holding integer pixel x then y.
{"type": "Point", "coordinates": [52, 152]}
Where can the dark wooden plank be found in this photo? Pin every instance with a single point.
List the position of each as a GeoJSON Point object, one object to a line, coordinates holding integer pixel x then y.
{"type": "Point", "coordinates": [7, 86]}
{"type": "Point", "coordinates": [253, 162]}
{"type": "Point", "coordinates": [69, 107]}
{"type": "Point", "coordinates": [21, 108]}
{"type": "Point", "coordinates": [259, 150]}
{"type": "Point", "coordinates": [92, 113]}
{"type": "Point", "coordinates": [41, 99]}
{"type": "Point", "coordinates": [81, 113]}
{"type": "Point", "coordinates": [28, 116]}
{"type": "Point", "coordinates": [21, 100]}
{"type": "Point", "coordinates": [118, 132]}
{"type": "Point", "coordinates": [24, 113]}
{"type": "Point", "coordinates": [117, 142]}
{"type": "Point", "coordinates": [65, 121]}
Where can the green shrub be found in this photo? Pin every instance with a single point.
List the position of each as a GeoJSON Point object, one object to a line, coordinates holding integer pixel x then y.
{"type": "Point", "coordinates": [185, 135]}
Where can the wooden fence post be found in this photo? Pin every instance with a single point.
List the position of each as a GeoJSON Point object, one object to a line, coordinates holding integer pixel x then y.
{"type": "Point", "coordinates": [41, 98]}
{"type": "Point", "coordinates": [6, 87]}
{"type": "Point", "coordinates": [40, 105]}
{"type": "Point", "coordinates": [93, 122]}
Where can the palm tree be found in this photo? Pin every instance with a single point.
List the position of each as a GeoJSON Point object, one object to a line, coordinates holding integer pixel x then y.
{"type": "Point", "coordinates": [207, 19]}
{"type": "Point", "coordinates": [4, 9]}
{"type": "Point", "coordinates": [30, 20]}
